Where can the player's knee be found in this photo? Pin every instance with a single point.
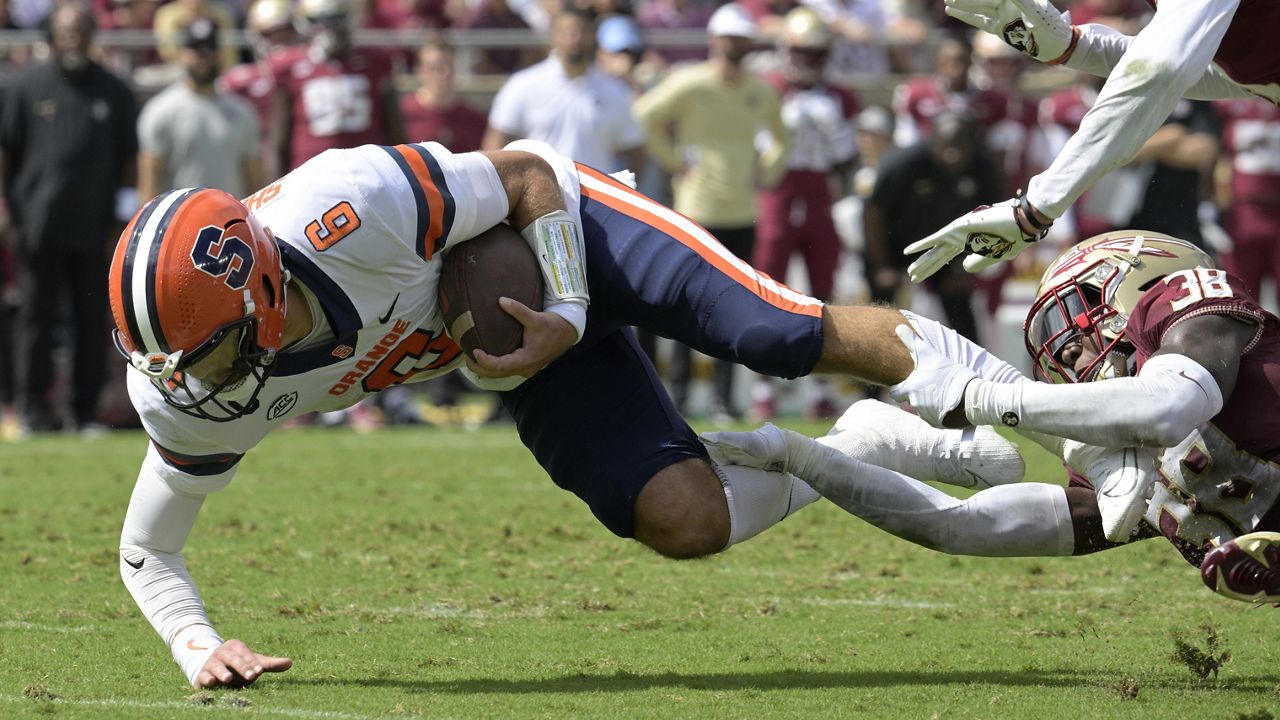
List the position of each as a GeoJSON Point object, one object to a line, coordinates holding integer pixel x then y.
{"type": "Point", "coordinates": [682, 512]}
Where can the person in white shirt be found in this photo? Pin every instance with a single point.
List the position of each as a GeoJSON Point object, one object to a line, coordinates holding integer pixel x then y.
{"type": "Point", "coordinates": [569, 103]}
{"type": "Point", "coordinates": [1200, 49]}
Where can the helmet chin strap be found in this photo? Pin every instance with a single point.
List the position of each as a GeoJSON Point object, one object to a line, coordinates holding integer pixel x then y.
{"type": "Point", "coordinates": [158, 366]}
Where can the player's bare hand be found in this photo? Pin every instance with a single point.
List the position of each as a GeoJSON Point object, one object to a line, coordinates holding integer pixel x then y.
{"type": "Point", "coordinates": [546, 337]}
{"type": "Point", "coordinates": [990, 234]}
{"type": "Point", "coordinates": [234, 665]}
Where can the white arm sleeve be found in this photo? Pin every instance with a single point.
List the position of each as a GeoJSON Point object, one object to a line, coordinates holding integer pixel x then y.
{"type": "Point", "coordinates": [1170, 397]}
{"type": "Point", "coordinates": [155, 528]}
{"type": "Point", "coordinates": [1101, 48]}
{"type": "Point", "coordinates": [1161, 63]}
{"type": "Point", "coordinates": [964, 351]}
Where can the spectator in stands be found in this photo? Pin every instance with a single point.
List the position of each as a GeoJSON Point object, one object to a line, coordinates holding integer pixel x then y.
{"type": "Point", "coordinates": [193, 135]}
{"type": "Point", "coordinates": [1251, 141]}
{"type": "Point", "coordinates": [702, 122]}
{"type": "Point", "coordinates": [948, 90]}
{"type": "Point", "coordinates": [127, 15]}
{"type": "Point", "coordinates": [172, 18]}
{"type": "Point", "coordinates": [434, 111]}
{"type": "Point", "coordinates": [67, 150]}
{"type": "Point", "coordinates": [658, 15]}
{"type": "Point", "coordinates": [269, 29]}
{"type": "Point", "coordinates": [795, 216]}
{"type": "Point", "coordinates": [406, 15]}
{"type": "Point", "coordinates": [498, 15]}
{"type": "Point", "coordinates": [569, 103]}
{"type": "Point", "coordinates": [859, 26]}
{"type": "Point", "coordinates": [329, 93]}
{"type": "Point", "coordinates": [918, 191]}
{"type": "Point", "coordinates": [768, 16]}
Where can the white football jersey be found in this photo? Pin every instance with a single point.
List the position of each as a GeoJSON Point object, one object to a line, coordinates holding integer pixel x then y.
{"type": "Point", "coordinates": [363, 229]}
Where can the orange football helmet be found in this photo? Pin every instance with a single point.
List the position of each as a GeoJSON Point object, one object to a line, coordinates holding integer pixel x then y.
{"type": "Point", "coordinates": [193, 271]}
{"type": "Point", "coordinates": [1090, 290]}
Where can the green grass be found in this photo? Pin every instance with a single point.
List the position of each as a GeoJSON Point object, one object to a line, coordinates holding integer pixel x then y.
{"type": "Point", "coordinates": [438, 573]}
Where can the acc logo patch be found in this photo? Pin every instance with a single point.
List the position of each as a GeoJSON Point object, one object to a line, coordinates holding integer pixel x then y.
{"type": "Point", "coordinates": [282, 405]}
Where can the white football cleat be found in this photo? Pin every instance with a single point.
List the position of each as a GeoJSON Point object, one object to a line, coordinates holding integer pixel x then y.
{"type": "Point", "coordinates": [885, 435]}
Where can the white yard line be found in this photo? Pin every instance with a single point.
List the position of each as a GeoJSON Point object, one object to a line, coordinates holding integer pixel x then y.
{"type": "Point", "coordinates": [256, 709]}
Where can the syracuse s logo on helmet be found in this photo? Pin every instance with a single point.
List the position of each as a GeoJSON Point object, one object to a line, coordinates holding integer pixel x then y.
{"type": "Point", "coordinates": [218, 255]}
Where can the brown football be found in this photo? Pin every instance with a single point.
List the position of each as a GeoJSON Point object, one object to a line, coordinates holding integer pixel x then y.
{"type": "Point", "coordinates": [496, 263]}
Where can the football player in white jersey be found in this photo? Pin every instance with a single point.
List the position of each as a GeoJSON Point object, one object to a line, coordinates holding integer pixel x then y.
{"type": "Point", "coordinates": [321, 289]}
{"type": "Point", "coordinates": [1162, 399]}
{"type": "Point", "coordinates": [1200, 49]}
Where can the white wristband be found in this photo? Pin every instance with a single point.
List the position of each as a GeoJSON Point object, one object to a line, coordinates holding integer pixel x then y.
{"type": "Point", "coordinates": [572, 310]}
{"type": "Point", "coordinates": [192, 647]}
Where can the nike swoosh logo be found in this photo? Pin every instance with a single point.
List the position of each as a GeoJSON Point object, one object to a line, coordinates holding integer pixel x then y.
{"type": "Point", "coordinates": [191, 645]}
{"type": "Point", "coordinates": [383, 320]}
{"type": "Point", "coordinates": [132, 564]}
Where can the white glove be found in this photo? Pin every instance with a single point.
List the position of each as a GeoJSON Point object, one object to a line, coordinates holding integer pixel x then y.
{"type": "Point", "coordinates": [1034, 27]}
{"type": "Point", "coordinates": [936, 386]}
{"type": "Point", "coordinates": [1125, 480]}
{"type": "Point", "coordinates": [991, 234]}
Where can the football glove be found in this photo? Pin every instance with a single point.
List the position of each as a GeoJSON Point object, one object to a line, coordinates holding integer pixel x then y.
{"type": "Point", "coordinates": [1034, 27]}
{"type": "Point", "coordinates": [1125, 481]}
{"type": "Point", "coordinates": [936, 386]}
{"type": "Point", "coordinates": [990, 234]}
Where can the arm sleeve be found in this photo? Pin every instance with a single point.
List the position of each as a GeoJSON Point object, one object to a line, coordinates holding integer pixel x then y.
{"type": "Point", "coordinates": [1161, 63]}
{"type": "Point", "coordinates": [1171, 396]}
{"type": "Point", "coordinates": [1101, 48]}
{"type": "Point", "coordinates": [160, 517]}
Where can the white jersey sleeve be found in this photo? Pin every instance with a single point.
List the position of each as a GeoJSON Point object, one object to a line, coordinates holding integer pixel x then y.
{"type": "Point", "coordinates": [422, 194]}
{"type": "Point", "coordinates": [162, 511]}
{"type": "Point", "coordinates": [1159, 66]}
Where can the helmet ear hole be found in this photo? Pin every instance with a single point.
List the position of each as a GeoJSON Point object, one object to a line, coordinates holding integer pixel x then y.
{"type": "Point", "coordinates": [270, 289]}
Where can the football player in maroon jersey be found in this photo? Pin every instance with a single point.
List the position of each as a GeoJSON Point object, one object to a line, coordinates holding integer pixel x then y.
{"type": "Point", "coordinates": [1161, 379]}
{"type": "Point", "coordinates": [330, 93]}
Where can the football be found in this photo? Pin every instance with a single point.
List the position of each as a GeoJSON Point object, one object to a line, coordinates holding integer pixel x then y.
{"type": "Point", "coordinates": [496, 263]}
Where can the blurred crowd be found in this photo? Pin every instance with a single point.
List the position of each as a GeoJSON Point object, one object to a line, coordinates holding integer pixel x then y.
{"type": "Point", "coordinates": [814, 139]}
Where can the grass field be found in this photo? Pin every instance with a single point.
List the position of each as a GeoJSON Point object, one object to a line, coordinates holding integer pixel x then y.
{"type": "Point", "coordinates": [438, 573]}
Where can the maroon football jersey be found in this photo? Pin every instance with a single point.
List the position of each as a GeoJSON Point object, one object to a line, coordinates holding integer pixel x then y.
{"type": "Point", "coordinates": [1223, 480]}
{"type": "Point", "coordinates": [336, 102]}
{"type": "Point", "coordinates": [1251, 138]}
{"type": "Point", "coordinates": [459, 128]}
{"type": "Point", "coordinates": [1243, 53]}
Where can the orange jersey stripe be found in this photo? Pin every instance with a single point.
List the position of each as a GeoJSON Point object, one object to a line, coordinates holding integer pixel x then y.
{"type": "Point", "coordinates": [435, 202]}
{"type": "Point", "coordinates": [639, 207]}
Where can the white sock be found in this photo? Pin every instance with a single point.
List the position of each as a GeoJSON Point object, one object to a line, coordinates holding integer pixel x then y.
{"type": "Point", "coordinates": [759, 499]}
